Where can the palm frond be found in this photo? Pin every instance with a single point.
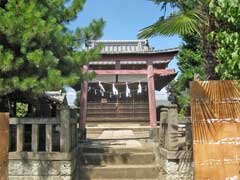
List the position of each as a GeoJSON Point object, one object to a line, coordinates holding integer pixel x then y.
{"type": "Point", "coordinates": [182, 22]}
{"type": "Point", "coordinates": [165, 3]}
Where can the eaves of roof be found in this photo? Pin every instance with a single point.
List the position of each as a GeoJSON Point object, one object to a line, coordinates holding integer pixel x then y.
{"type": "Point", "coordinates": [170, 50]}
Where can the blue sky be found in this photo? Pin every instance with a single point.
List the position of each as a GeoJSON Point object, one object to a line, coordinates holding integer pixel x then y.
{"type": "Point", "coordinates": [124, 18]}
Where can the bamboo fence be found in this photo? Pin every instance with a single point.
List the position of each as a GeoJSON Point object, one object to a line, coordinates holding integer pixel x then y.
{"type": "Point", "coordinates": [215, 110]}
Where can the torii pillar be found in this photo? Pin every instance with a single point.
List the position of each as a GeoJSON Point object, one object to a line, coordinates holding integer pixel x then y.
{"type": "Point", "coordinates": [152, 100]}
{"type": "Point", "coordinates": [83, 105]}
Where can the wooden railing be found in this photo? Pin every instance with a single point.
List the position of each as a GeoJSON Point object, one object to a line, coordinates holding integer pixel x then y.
{"type": "Point", "coordinates": [44, 134]}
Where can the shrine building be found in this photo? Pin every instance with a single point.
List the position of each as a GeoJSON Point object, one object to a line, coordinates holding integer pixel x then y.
{"type": "Point", "coordinates": [127, 75]}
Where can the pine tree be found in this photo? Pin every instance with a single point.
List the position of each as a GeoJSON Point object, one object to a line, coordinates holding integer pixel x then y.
{"type": "Point", "coordinates": [37, 50]}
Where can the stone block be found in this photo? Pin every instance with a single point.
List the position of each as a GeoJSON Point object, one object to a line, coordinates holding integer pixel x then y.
{"type": "Point", "coordinates": [39, 168]}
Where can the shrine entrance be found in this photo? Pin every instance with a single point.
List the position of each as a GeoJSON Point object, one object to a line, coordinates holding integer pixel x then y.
{"type": "Point", "coordinates": [114, 94]}
{"type": "Point", "coordinates": [119, 106]}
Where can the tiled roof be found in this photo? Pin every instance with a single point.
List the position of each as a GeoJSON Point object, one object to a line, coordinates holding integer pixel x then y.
{"type": "Point", "coordinates": [126, 62]}
{"type": "Point", "coordinates": [56, 96]}
{"type": "Point", "coordinates": [126, 47]}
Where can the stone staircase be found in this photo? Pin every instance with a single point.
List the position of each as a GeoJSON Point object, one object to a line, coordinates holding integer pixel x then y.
{"type": "Point", "coordinates": [117, 145]}
{"type": "Point", "coordinates": [102, 161]}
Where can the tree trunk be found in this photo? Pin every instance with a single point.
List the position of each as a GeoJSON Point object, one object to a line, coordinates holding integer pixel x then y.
{"type": "Point", "coordinates": [209, 50]}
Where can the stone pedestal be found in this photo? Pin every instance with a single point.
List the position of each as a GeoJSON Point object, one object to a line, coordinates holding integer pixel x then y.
{"type": "Point", "coordinates": [171, 137]}
{"type": "Point", "coordinates": [162, 125]}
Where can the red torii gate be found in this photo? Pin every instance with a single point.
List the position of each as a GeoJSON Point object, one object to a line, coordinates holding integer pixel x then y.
{"type": "Point", "coordinates": [150, 72]}
{"type": "Point", "coordinates": [131, 51]}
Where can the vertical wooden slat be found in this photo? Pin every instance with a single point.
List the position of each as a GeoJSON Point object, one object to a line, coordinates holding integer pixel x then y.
{"type": "Point", "coordinates": [20, 137]}
{"type": "Point", "coordinates": [4, 135]}
{"type": "Point", "coordinates": [35, 137]}
{"type": "Point", "coordinates": [49, 138]}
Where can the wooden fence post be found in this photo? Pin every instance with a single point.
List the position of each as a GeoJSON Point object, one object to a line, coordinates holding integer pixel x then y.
{"type": "Point", "coordinates": [20, 137]}
{"type": "Point", "coordinates": [35, 137]}
{"type": "Point", "coordinates": [49, 138]}
{"type": "Point", "coordinates": [4, 145]}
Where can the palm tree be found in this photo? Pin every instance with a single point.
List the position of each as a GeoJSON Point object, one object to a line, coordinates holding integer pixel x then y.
{"type": "Point", "coordinates": [192, 16]}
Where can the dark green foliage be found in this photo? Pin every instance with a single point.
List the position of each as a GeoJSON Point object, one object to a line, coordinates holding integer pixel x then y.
{"type": "Point", "coordinates": [227, 37]}
{"type": "Point", "coordinates": [190, 18]}
{"type": "Point", "coordinates": [211, 49]}
{"type": "Point", "coordinates": [21, 109]}
{"type": "Point", "coordinates": [37, 50]}
{"type": "Point", "coordinates": [190, 63]}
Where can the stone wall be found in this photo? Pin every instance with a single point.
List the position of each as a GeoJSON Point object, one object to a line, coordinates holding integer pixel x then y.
{"type": "Point", "coordinates": [40, 170]}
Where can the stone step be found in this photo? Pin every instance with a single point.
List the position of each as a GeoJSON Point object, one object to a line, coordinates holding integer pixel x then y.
{"type": "Point", "coordinates": [139, 131]}
{"type": "Point", "coordinates": [119, 103]}
{"type": "Point", "coordinates": [109, 149]}
{"type": "Point", "coordinates": [117, 158]}
{"type": "Point", "coordinates": [119, 106]}
{"type": "Point", "coordinates": [122, 179]}
{"type": "Point", "coordinates": [120, 172]}
{"type": "Point", "coordinates": [116, 113]}
{"type": "Point", "coordinates": [116, 128]}
{"type": "Point", "coordinates": [119, 116]}
{"type": "Point", "coordinates": [118, 124]}
{"type": "Point", "coordinates": [118, 119]}
{"type": "Point", "coordinates": [120, 110]}
{"type": "Point", "coordinates": [139, 136]}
